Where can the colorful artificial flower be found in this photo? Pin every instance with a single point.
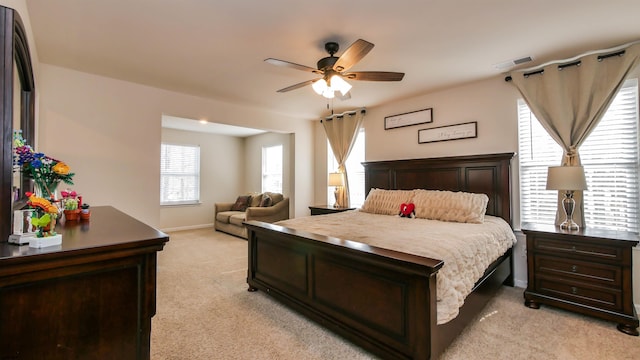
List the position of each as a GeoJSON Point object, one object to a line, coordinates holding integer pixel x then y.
{"type": "Point", "coordinates": [46, 171]}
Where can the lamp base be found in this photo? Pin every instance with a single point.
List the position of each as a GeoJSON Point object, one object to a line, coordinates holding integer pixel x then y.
{"type": "Point", "coordinates": [336, 193]}
{"type": "Point", "coordinates": [568, 204]}
{"type": "Point", "coordinates": [569, 225]}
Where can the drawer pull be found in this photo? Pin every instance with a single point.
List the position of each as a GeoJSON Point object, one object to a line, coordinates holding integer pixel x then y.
{"type": "Point", "coordinates": [574, 290]}
{"type": "Point", "coordinates": [574, 268]}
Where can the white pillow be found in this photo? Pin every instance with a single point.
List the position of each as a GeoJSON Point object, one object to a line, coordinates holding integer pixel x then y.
{"type": "Point", "coordinates": [386, 202]}
{"type": "Point", "coordinates": [450, 206]}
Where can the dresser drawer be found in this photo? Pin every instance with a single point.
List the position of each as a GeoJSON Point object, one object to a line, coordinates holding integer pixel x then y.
{"type": "Point", "coordinates": [609, 299]}
{"type": "Point", "coordinates": [589, 272]}
{"type": "Point", "coordinates": [583, 250]}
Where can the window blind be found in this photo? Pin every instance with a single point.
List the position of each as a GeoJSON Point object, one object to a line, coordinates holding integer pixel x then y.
{"type": "Point", "coordinates": [179, 174]}
{"type": "Point", "coordinates": [610, 160]}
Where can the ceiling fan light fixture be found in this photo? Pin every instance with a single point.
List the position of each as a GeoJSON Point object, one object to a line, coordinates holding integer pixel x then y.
{"type": "Point", "coordinates": [329, 93]}
{"type": "Point", "coordinates": [338, 84]}
{"type": "Point", "coordinates": [320, 86]}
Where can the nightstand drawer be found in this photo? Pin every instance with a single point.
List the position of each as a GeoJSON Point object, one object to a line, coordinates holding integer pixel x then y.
{"type": "Point", "coordinates": [584, 250]}
{"type": "Point", "coordinates": [594, 273]}
{"type": "Point", "coordinates": [600, 298]}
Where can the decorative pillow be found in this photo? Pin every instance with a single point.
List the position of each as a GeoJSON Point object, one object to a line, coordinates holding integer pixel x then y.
{"type": "Point", "coordinates": [275, 197]}
{"type": "Point", "coordinates": [242, 203]}
{"type": "Point", "coordinates": [450, 206]}
{"type": "Point", "coordinates": [386, 202]}
{"type": "Point", "coordinates": [256, 198]}
{"type": "Point", "coordinates": [266, 201]}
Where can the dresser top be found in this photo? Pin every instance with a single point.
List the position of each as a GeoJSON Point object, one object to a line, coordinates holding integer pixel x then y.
{"type": "Point", "coordinates": [108, 228]}
{"type": "Point", "coordinates": [589, 232]}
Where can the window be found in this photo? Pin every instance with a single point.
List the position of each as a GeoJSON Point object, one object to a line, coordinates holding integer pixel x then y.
{"type": "Point", "coordinates": [610, 160]}
{"type": "Point", "coordinates": [272, 169]}
{"type": "Point", "coordinates": [179, 174]}
{"type": "Point", "coordinates": [355, 171]}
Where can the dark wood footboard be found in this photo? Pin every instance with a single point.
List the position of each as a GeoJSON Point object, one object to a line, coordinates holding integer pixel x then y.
{"type": "Point", "coordinates": [382, 300]}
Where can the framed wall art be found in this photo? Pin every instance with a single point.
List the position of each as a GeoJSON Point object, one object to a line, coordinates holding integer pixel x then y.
{"type": "Point", "coordinates": [417, 117]}
{"type": "Point", "coordinates": [449, 132]}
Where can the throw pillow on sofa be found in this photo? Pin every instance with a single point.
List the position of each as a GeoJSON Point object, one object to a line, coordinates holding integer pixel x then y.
{"type": "Point", "coordinates": [266, 201]}
{"type": "Point", "coordinates": [242, 203]}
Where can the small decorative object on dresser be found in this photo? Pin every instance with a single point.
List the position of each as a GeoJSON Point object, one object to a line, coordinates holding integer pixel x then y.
{"type": "Point", "coordinates": [326, 209]}
{"type": "Point", "coordinates": [587, 271]}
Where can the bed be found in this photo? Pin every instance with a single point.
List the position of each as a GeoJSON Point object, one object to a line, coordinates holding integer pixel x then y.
{"type": "Point", "coordinates": [381, 299]}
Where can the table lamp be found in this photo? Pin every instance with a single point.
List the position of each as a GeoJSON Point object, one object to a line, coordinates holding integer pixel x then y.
{"type": "Point", "coordinates": [337, 180]}
{"type": "Point", "coordinates": [567, 179]}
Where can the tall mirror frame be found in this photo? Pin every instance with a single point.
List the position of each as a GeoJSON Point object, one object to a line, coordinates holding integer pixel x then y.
{"type": "Point", "coordinates": [16, 60]}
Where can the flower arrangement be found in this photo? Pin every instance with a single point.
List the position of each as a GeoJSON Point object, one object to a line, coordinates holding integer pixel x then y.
{"type": "Point", "coordinates": [46, 171]}
{"type": "Point", "coordinates": [44, 215]}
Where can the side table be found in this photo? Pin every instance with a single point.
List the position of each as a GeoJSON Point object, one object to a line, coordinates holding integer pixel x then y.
{"type": "Point", "coordinates": [326, 209]}
{"type": "Point", "coordinates": [588, 271]}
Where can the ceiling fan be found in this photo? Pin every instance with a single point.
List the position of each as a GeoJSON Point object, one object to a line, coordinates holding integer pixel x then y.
{"type": "Point", "coordinates": [334, 70]}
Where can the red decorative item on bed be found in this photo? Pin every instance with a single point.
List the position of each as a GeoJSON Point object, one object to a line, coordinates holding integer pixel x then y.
{"type": "Point", "coordinates": [380, 299]}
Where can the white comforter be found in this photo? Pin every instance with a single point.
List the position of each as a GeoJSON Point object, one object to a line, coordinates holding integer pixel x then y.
{"type": "Point", "coordinates": [467, 249]}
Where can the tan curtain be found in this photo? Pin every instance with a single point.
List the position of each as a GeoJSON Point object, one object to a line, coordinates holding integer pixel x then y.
{"type": "Point", "coordinates": [342, 131]}
{"type": "Point", "coordinates": [569, 98]}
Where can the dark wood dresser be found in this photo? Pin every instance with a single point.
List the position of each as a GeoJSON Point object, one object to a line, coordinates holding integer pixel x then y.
{"type": "Point", "coordinates": [90, 298]}
{"type": "Point", "coordinates": [588, 271]}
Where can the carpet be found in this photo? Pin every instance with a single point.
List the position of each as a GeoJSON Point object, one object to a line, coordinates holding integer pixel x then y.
{"type": "Point", "coordinates": [204, 311]}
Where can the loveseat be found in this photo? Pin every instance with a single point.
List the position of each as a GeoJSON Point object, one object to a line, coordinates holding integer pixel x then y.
{"type": "Point", "coordinates": [268, 207]}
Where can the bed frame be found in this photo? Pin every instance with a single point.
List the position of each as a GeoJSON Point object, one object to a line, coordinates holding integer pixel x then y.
{"type": "Point", "coordinates": [382, 300]}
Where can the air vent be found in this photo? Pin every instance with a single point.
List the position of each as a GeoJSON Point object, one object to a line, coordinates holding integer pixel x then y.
{"type": "Point", "coordinates": [523, 60]}
{"type": "Point", "coordinates": [511, 63]}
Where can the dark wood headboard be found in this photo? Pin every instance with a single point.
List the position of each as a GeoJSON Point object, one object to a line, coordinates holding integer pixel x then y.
{"type": "Point", "coordinates": [487, 174]}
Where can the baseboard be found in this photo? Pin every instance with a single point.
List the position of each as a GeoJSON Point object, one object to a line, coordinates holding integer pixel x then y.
{"type": "Point", "coordinates": [190, 227]}
{"type": "Point", "coordinates": [520, 283]}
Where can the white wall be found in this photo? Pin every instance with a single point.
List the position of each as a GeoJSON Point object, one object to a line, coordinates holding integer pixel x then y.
{"type": "Point", "coordinates": [221, 173]}
{"type": "Point", "coordinates": [109, 132]}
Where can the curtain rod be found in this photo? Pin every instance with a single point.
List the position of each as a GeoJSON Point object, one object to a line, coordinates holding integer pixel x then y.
{"type": "Point", "coordinates": [574, 63]}
{"type": "Point", "coordinates": [352, 112]}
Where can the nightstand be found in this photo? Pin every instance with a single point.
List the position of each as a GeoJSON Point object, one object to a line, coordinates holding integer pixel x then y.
{"type": "Point", "coordinates": [586, 271]}
{"type": "Point", "coordinates": [326, 209]}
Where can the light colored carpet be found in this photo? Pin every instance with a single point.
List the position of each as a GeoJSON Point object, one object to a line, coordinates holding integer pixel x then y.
{"type": "Point", "coordinates": [205, 312]}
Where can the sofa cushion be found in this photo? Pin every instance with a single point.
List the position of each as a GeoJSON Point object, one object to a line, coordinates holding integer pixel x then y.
{"type": "Point", "coordinates": [237, 219]}
{"type": "Point", "coordinates": [242, 203]}
{"type": "Point", "coordinates": [224, 216]}
{"type": "Point", "coordinates": [275, 197]}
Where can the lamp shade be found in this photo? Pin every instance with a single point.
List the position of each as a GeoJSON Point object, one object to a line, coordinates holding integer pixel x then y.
{"type": "Point", "coordinates": [338, 84]}
{"type": "Point", "coordinates": [336, 179]}
{"type": "Point", "coordinates": [566, 178]}
{"type": "Point", "coordinates": [319, 86]}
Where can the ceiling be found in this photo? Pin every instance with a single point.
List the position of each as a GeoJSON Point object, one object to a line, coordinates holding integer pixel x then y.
{"type": "Point", "coordinates": [216, 48]}
{"type": "Point", "coordinates": [178, 123]}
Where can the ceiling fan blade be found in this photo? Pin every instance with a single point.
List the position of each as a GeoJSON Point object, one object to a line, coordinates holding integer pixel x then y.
{"type": "Point", "coordinates": [352, 55]}
{"type": "Point", "coordinates": [374, 76]}
{"type": "Point", "coordinates": [288, 64]}
{"type": "Point", "coordinates": [297, 86]}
